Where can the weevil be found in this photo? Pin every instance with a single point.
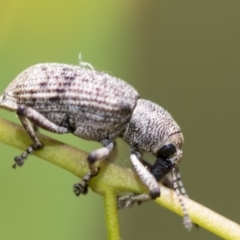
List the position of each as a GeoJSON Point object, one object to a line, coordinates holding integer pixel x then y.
{"type": "Point", "coordinates": [95, 106]}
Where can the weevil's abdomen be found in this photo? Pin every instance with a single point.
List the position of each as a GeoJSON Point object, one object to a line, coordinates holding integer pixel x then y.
{"type": "Point", "coordinates": [80, 97]}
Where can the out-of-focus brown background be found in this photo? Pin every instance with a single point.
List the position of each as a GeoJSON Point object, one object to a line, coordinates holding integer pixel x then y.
{"type": "Point", "coordinates": [183, 55]}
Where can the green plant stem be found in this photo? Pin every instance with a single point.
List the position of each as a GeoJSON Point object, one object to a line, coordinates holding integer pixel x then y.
{"type": "Point", "coordinates": [204, 217]}
{"type": "Point", "coordinates": [111, 214]}
{"type": "Point", "coordinates": [113, 179]}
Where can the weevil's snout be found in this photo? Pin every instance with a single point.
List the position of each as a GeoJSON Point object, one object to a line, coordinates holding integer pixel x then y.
{"type": "Point", "coordinates": [168, 156]}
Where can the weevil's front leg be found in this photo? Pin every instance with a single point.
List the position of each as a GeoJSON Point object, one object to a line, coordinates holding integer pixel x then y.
{"type": "Point", "coordinates": [142, 169]}
{"type": "Point", "coordinates": [148, 175]}
{"type": "Point", "coordinates": [147, 178]}
{"type": "Point", "coordinates": [93, 157]}
{"type": "Point", "coordinates": [38, 119]}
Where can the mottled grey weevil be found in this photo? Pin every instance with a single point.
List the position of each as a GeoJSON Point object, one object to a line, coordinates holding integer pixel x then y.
{"type": "Point", "coordinates": [95, 106]}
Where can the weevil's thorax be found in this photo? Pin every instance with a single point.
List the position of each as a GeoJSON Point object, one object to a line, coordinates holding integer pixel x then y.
{"type": "Point", "coordinates": [151, 127]}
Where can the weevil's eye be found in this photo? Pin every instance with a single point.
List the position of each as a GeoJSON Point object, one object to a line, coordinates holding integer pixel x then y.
{"type": "Point", "coordinates": [166, 151]}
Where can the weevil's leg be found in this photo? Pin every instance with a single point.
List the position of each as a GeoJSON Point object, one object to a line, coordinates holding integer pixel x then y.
{"type": "Point", "coordinates": [186, 219]}
{"type": "Point", "coordinates": [114, 153]}
{"type": "Point", "coordinates": [100, 154]}
{"type": "Point", "coordinates": [93, 157]}
{"type": "Point", "coordinates": [146, 163]}
{"type": "Point", "coordinates": [35, 128]}
{"type": "Point", "coordinates": [147, 178]}
{"type": "Point", "coordinates": [142, 168]}
{"type": "Point", "coordinates": [25, 113]}
{"type": "Point", "coordinates": [129, 200]}
{"type": "Point", "coordinates": [19, 160]}
{"type": "Point", "coordinates": [38, 119]}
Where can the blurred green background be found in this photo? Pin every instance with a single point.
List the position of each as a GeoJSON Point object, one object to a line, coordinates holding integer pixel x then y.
{"type": "Point", "coordinates": [183, 55]}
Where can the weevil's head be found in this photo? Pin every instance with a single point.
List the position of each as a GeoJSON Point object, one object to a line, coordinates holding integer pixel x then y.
{"type": "Point", "coordinates": [168, 156]}
{"type": "Point", "coordinates": [152, 129]}
{"type": "Point", "coordinates": [171, 148]}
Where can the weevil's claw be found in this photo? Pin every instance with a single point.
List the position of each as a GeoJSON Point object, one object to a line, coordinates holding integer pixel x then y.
{"type": "Point", "coordinates": [129, 200]}
{"type": "Point", "coordinates": [14, 166]}
{"type": "Point", "coordinates": [82, 187]}
{"type": "Point", "coordinates": [19, 161]}
{"type": "Point", "coordinates": [125, 201]}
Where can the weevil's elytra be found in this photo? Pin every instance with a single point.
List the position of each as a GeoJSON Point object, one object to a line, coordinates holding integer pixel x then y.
{"type": "Point", "coordinates": [95, 106]}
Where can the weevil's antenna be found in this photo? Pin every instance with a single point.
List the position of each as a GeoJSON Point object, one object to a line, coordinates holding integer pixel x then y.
{"type": "Point", "coordinates": [186, 219]}
{"type": "Point", "coordinates": [180, 183]}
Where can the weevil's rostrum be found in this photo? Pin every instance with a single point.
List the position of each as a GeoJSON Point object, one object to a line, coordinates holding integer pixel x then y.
{"type": "Point", "coordinates": [95, 106]}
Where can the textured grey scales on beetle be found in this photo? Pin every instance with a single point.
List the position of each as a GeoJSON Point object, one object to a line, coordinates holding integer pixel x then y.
{"type": "Point", "coordinates": [95, 106]}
